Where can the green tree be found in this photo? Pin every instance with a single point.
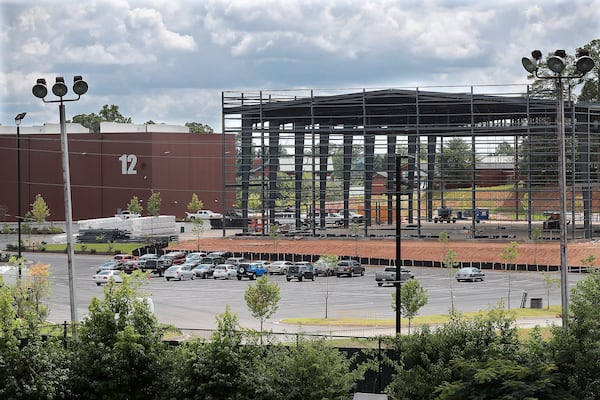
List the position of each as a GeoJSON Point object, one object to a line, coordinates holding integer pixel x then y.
{"type": "Point", "coordinates": [134, 205]}
{"type": "Point", "coordinates": [198, 228]}
{"type": "Point", "coordinates": [154, 202]}
{"type": "Point", "coordinates": [39, 209]}
{"type": "Point", "coordinates": [327, 263]}
{"type": "Point", "coordinates": [262, 299]}
{"type": "Point", "coordinates": [33, 367]}
{"type": "Point", "coordinates": [509, 254]}
{"type": "Point", "coordinates": [308, 370]}
{"type": "Point", "coordinates": [195, 204]}
{"type": "Point", "coordinates": [119, 349]}
{"type": "Point", "coordinates": [576, 350]}
{"type": "Point", "coordinates": [426, 361]}
{"type": "Point", "coordinates": [536, 237]}
{"type": "Point", "coordinates": [107, 114]}
{"type": "Point", "coordinates": [354, 229]}
{"type": "Point", "coordinates": [222, 368]}
{"type": "Point", "coordinates": [449, 261]}
{"type": "Point", "coordinates": [505, 149]}
{"type": "Point", "coordinates": [197, 127]}
{"type": "Point", "coordinates": [454, 163]}
{"type": "Point", "coordinates": [550, 282]}
{"type": "Point", "coordinates": [413, 297]}
{"type": "Point", "coordinates": [274, 233]}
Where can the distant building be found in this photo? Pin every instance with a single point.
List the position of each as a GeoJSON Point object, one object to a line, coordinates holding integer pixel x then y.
{"type": "Point", "coordinates": [108, 168]}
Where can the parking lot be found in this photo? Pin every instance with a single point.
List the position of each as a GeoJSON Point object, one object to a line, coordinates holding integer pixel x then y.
{"type": "Point", "coordinates": [193, 305]}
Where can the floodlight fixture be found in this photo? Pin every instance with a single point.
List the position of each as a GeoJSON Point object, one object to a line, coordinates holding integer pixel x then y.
{"type": "Point", "coordinates": [39, 89]}
{"type": "Point", "coordinates": [557, 62]}
{"type": "Point", "coordinates": [584, 62]}
{"type": "Point", "coordinates": [79, 85]}
{"type": "Point", "coordinates": [59, 89]}
{"type": "Point", "coordinates": [19, 117]}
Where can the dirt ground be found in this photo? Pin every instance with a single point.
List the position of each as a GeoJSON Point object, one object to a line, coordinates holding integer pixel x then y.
{"type": "Point", "coordinates": [546, 253]}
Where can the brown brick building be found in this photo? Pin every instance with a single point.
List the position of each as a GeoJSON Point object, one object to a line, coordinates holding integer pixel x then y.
{"type": "Point", "coordinates": [108, 169]}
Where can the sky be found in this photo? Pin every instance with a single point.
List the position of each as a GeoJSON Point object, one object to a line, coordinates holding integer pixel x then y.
{"type": "Point", "coordinates": [169, 61]}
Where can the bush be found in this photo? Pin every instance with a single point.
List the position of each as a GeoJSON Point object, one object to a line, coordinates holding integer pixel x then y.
{"type": "Point", "coordinates": [55, 230]}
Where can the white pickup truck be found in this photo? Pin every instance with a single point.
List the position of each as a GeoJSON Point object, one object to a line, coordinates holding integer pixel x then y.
{"type": "Point", "coordinates": [204, 214]}
{"type": "Point", "coordinates": [389, 275]}
{"type": "Point", "coordinates": [126, 214]}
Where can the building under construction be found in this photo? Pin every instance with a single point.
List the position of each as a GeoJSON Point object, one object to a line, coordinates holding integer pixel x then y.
{"type": "Point", "coordinates": [472, 149]}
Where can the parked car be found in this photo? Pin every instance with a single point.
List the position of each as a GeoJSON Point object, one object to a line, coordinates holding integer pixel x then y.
{"type": "Point", "coordinates": [331, 218]}
{"type": "Point", "coordinates": [349, 268]}
{"type": "Point", "coordinates": [105, 276]}
{"type": "Point", "coordinates": [145, 257]}
{"type": "Point", "coordinates": [129, 266]}
{"type": "Point", "coordinates": [300, 271]}
{"type": "Point", "coordinates": [356, 217]}
{"type": "Point", "coordinates": [121, 258]}
{"type": "Point", "coordinates": [177, 257]}
{"type": "Point", "coordinates": [108, 266]}
{"type": "Point", "coordinates": [204, 270]}
{"type": "Point", "coordinates": [179, 272]}
{"type": "Point", "coordinates": [214, 259]}
{"type": "Point", "coordinates": [250, 270]}
{"type": "Point", "coordinates": [323, 268]}
{"type": "Point", "coordinates": [197, 255]}
{"type": "Point", "coordinates": [126, 214]}
{"type": "Point", "coordinates": [389, 275]}
{"type": "Point", "coordinates": [225, 271]}
{"type": "Point", "coordinates": [470, 274]}
{"type": "Point", "coordinates": [157, 265]}
{"type": "Point", "coordinates": [235, 260]}
{"type": "Point", "coordinates": [279, 267]}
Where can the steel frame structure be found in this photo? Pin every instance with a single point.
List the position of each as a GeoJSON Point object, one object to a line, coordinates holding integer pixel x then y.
{"type": "Point", "coordinates": [332, 139]}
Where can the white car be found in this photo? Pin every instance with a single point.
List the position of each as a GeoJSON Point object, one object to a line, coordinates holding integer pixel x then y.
{"type": "Point", "coordinates": [279, 267]}
{"type": "Point", "coordinates": [225, 271]}
{"type": "Point", "coordinates": [179, 272]}
{"type": "Point", "coordinates": [106, 275]}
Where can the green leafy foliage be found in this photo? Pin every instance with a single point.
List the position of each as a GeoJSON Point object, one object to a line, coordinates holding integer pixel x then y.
{"type": "Point", "coordinates": [154, 202]}
{"type": "Point", "coordinates": [118, 351]}
{"type": "Point", "coordinates": [262, 299]}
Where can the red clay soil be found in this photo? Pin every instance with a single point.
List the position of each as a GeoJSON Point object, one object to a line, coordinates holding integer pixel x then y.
{"type": "Point", "coordinates": [546, 253]}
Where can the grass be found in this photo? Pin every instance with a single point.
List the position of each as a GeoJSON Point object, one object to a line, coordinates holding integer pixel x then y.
{"type": "Point", "coordinates": [420, 320]}
{"type": "Point", "coordinates": [101, 248]}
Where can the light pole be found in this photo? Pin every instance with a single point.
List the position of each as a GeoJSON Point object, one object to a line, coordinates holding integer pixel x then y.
{"type": "Point", "coordinates": [556, 64]}
{"type": "Point", "coordinates": [398, 245]}
{"type": "Point", "coordinates": [59, 89]}
{"type": "Point", "coordinates": [18, 120]}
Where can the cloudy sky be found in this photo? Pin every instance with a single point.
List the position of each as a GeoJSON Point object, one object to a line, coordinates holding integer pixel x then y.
{"type": "Point", "coordinates": [169, 60]}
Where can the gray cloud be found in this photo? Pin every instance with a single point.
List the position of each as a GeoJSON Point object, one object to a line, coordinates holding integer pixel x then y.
{"type": "Point", "coordinates": [168, 61]}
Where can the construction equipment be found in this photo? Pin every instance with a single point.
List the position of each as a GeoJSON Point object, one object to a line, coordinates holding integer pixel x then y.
{"type": "Point", "coordinates": [444, 214]}
{"type": "Point", "coordinates": [553, 221]}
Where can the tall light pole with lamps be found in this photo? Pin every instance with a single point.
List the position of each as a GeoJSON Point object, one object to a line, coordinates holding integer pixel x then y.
{"type": "Point", "coordinates": [557, 64]}
{"type": "Point", "coordinates": [18, 120]}
{"type": "Point", "coordinates": [59, 89]}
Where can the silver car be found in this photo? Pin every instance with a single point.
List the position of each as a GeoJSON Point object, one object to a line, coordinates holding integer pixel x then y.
{"type": "Point", "coordinates": [179, 272]}
{"type": "Point", "coordinates": [469, 274]}
{"type": "Point", "coordinates": [279, 267]}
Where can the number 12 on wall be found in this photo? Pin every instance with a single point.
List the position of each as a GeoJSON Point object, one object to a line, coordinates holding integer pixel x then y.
{"type": "Point", "coordinates": [128, 163]}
